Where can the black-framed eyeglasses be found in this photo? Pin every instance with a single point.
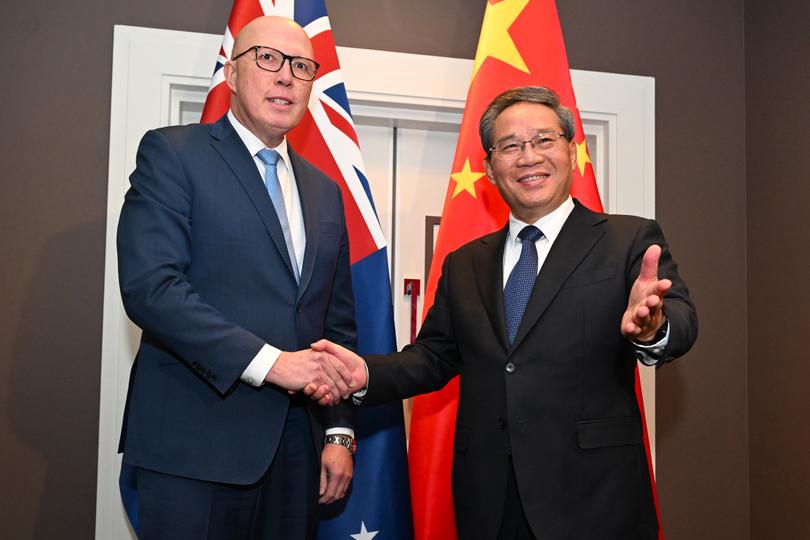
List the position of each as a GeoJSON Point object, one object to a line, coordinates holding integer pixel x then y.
{"type": "Point", "coordinates": [270, 59]}
{"type": "Point", "coordinates": [540, 143]}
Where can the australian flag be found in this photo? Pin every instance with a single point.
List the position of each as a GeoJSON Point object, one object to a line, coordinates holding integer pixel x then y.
{"type": "Point", "coordinates": [378, 504]}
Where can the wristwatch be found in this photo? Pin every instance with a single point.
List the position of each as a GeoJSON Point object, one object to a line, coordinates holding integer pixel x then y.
{"type": "Point", "coordinates": [346, 441]}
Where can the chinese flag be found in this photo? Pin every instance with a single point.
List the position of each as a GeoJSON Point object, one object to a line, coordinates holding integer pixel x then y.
{"type": "Point", "coordinates": [521, 44]}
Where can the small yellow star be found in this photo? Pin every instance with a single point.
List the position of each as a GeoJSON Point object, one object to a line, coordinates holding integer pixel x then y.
{"type": "Point", "coordinates": [583, 158]}
{"type": "Point", "coordinates": [495, 40]}
{"type": "Point", "coordinates": [466, 179]}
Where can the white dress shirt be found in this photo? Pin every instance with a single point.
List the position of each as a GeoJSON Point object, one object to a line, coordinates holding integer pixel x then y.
{"type": "Point", "coordinates": [550, 225]}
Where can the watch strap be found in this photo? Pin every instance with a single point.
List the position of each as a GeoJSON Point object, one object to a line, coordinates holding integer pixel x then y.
{"type": "Point", "coordinates": [343, 440]}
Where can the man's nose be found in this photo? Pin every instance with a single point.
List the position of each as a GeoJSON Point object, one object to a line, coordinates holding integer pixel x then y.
{"type": "Point", "coordinates": [284, 74]}
{"type": "Point", "coordinates": [528, 156]}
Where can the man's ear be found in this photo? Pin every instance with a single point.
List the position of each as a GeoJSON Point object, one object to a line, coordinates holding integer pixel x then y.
{"type": "Point", "coordinates": [488, 169]}
{"type": "Point", "coordinates": [230, 75]}
{"type": "Point", "coordinates": [572, 151]}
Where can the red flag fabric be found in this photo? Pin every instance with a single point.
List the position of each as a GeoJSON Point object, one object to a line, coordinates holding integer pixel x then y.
{"type": "Point", "coordinates": [521, 44]}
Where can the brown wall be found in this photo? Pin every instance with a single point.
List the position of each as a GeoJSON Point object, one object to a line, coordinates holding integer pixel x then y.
{"type": "Point", "coordinates": [56, 100]}
{"type": "Point", "coordinates": [777, 120]}
{"type": "Point", "coordinates": [55, 96]}
{"type": "Point", "coordinates": [695, 51]}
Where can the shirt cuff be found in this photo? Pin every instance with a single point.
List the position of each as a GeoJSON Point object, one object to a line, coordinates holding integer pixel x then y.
{"type": "Point", "coordinates": [261, 365]}
{"type": "Point", "coordinates": [357, 397]}
{"type": "Point", "coordinates": [651, 354]}
{"type": "Point", "coordinates": [340, 431]}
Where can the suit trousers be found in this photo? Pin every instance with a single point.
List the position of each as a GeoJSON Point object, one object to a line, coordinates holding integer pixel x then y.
{"type": "Point", "coordinates": [514, 525]}
{"type": "Point", "coordinates": [282, 505]}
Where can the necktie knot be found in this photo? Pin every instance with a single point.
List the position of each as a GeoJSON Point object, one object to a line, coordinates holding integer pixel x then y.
{"type": "Point", "coordinates": [268, 157]}
{"type": "Point", "coordinates": [530, 233]}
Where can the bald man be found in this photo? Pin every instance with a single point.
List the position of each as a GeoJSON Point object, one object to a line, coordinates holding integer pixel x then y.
{"type": "Point", "coordinates": [233, 258]}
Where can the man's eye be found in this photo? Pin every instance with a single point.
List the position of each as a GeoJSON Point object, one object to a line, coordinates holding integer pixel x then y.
{"type": "Point", "coordinates": [265, 56]}
{"type": "Point", "coordinates": [510, 147]}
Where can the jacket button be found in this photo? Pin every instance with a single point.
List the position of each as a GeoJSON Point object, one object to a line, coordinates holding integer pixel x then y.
{"type": "Point", "coordinates": [299, 308]}
{"type": "Point", "coordinates": [501, 423]}
{"type": "Point", "coordinates": [510, 367]}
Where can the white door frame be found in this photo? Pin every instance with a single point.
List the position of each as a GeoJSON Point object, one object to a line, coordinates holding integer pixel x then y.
{"type": "Point", "coordinates": [152, 66]}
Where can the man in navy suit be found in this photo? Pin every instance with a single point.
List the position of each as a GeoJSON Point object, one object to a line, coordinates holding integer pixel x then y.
{"type": "Point", "coordinates": [543, 321]}
{"type": "Point", "coordinates": [233, 258]}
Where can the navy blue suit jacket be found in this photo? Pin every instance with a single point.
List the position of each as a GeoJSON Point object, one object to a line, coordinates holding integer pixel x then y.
{"type": "Point", "coordinates": [204, 272]}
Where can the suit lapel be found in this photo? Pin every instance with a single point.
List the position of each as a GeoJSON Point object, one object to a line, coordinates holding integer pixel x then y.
{"type": "Point", "coordinates": [489, 279]}
{"type": "Point", "coordinates": [309, 208]}
{"type": "Point", "coordinates": [577, 237]}
{"type": "Point", "coordinates": [228, 144]}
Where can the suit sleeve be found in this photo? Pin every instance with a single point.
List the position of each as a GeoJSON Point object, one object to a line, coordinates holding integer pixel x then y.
{"type": "Point", "coordinates": [154, 254]}
{"type": "Point", "coordinates": [429, 363]}
{"type": "Point", "coordinates": [678, 306]}
{"type": "Point", "coordinates": [340, 325]}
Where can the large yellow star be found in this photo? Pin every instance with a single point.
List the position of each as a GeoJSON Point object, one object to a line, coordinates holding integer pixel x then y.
{"type": "Point", "coordinates": [495, 40]}
{"type": "Point", "coordinates": [466, 179]}
{"type": "Point", "coordinates": [583, 158]}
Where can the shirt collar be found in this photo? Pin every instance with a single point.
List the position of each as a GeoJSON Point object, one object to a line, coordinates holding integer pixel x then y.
{"type": "Point", "coordinates": [551, 224]}
{"type": "Point", "coordinates": [252, 142]}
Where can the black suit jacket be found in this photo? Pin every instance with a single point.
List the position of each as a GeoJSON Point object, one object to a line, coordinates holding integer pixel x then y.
{"type": "Point", "coordinates": [561, 400]}
{"type": "Point", "coordinates": [205, 272]}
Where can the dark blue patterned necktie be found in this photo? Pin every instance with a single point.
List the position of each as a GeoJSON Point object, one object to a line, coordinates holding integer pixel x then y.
{"type": "Point", "coordinates": [521, 281]}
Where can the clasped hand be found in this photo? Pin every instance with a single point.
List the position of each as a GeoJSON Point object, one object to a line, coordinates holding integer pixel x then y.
{"type": "Point", "coordinates": [353, 365]}
{"type": "Point", "coordinates": [320, 373]}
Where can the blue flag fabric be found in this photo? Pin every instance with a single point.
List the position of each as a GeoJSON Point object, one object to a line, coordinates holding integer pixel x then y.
{"type": "Point", "coordinates": [379, 500]}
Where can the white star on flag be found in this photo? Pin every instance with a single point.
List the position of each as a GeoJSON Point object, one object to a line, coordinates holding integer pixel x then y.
{"type": "Point", "coordinates": [364, 534]}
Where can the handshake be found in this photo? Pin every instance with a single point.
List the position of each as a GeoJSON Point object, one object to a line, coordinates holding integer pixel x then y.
{"type": "Point", "coordinates": [327, 372]}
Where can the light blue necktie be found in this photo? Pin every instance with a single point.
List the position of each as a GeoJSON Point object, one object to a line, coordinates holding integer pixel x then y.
{"type": "Point", "coordinates": [521, 281]}
{"type": "Point", "coordinates": [270, 158]}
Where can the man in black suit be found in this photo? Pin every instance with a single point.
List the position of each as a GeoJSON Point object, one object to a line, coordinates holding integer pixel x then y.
{"type": "Point", "coordinates": [544, 321]}
{"type": "Point", "coordinates": [233, 258]}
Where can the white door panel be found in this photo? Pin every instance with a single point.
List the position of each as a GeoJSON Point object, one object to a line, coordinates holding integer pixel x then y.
{"type": "Point", "coordinates": [377, 145]}
{"type": "Point", "coordinates": [424, 159]}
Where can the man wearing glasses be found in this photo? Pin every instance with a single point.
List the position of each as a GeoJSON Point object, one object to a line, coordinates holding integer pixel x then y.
{"type": "Point", "coordinates": [544, 321]}
{"type": "Point", "coordinates": [233, 258]}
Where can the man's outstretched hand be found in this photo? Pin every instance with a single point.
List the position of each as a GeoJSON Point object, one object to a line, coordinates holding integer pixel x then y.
{"type": "Point", "coordinates": [645, 307]}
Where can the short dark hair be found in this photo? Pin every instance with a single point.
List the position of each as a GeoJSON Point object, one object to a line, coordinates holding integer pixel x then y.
{"type": "Point", "coordinates": [531, 94]}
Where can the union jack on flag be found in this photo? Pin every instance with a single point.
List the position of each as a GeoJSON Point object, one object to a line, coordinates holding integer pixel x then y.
{"type": "Point", "coordinates": [326, 136]}
{"type": "Point", "coordinates": [379, 501]}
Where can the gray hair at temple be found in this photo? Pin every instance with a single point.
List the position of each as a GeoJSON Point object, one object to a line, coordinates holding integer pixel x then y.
{"type": "Point", "coordinates": [531, 94]}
